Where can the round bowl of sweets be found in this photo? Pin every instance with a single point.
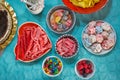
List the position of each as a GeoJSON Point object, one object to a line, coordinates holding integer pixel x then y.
{"type": "Point", "coordinates": [60, 19]}
{"type": "Point", "coordinates": [85, 68]}
{"type": "Point", "coordinates": [67, 46]}
{"type": "Point", "coordinates": [52, 66]}
{"type": "Point", "coordinates": [99, 37]}
{"type": "Point", "coordinates": [85, 6]}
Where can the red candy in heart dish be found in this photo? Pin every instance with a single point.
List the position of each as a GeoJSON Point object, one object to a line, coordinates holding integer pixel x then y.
{"type": "Point", "coordinates": [67, 46]}
{"type": "Point", "coordinates": [85, 68]}
{"type": "Point", "coordinates": [33, 42]}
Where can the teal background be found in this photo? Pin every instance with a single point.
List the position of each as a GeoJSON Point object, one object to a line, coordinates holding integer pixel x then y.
{"type": "Point", "coordinates": [107, 66]}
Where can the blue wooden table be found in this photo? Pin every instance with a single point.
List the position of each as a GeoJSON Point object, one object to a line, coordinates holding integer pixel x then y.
{"type": "Point", "coordinates": [107, 66]}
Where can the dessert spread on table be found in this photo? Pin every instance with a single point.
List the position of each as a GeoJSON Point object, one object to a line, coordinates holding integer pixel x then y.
{"type": "Point", "coordinates": [61, 20]}
{"type": "Point", "coordinates": [98, 37]}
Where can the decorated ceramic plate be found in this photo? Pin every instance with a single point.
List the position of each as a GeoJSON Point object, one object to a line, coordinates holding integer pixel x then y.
{"type": "Point", "coordinates": [8, 29]}
{"type": "Point", "coordinates": [99, 37]}
{"type": "Point", "coordinates": [88, 10]}
{"type": "Point", "coordinates": [33, 42]}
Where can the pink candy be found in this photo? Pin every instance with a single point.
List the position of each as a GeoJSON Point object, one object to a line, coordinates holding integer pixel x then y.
{"type": "Point", "coordinates": [66, 47]}
{"type": "Point", "coordinates": [92, 23]}
{"type": "Point", "coordinates": [99, 38]}
{"type": "Point", "coordinates": [91, 30]}
{"type": "Point", "coordinates": [107, 44]}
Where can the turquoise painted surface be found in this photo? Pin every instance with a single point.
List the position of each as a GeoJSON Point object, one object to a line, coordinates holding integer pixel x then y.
{"type": "Point", "coordinates": [107, 66]}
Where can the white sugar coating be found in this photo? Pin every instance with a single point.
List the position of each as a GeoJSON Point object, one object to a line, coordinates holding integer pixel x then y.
{"type": "Point", "coordinates": [92, 24]}
{"type": "Point", "coordinates": [111, 36]}
{"type": "Point", "coordinates": [98, 23]}
{"type": "Point", "coordinates": [85, 35]}
{"type": "Point", "coordinates": [107, 44]}
{"type": "Point", "coordinates": [96, 48]}
{"type": "Point", "coordinates": [106, 26]}
{"type": "Point", "coordinates": [105, 34]}
{"type": "Point", "coordinates": [99, 38]}
{"type": "Point", "coordinates": [92, 38]}
{"type": "Point", "coordinates": [111, 42]}
{"type": "Point", "coordinates": [91, 30]}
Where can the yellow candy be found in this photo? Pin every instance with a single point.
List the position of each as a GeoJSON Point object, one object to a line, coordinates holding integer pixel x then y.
{"type": "Point", "coordinates": [60, 64]}
{"type": "Point", "coordinates": [57, 19]}
{"type": "Point", "coordinates": [84, 3]}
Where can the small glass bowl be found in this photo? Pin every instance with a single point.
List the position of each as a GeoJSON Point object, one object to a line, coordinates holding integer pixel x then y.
{"type": "Point", "coordinates": [50, 64]}
{"type": "Point", "coordinates": [61, 20]}
{"type": "Point", "coordinates": [88, 76]}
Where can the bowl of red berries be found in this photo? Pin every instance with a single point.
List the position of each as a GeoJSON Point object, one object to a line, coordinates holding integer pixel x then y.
{"type": "Point", "coordinates": [67, 46]}
{"type": "Point", "coordinates": [85, 68]}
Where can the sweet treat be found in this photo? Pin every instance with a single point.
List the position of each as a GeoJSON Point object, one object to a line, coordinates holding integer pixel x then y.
{"type": "Point", "coordinates": [84, 3]}
{"type": "Point", "coordinates": [91, 30]}
{"type": "Point", "coordinates": [92, 24]}
{"type": "Point", "coordinates": [85, 36]}
{"type": "Point", "coordinates": [99, 23]}
{"type": "Point", "coordinates": [67, 46]}
{"type": "Point", "coordinates": [5, 24]}
{"type": "Point", "coordinates": [92, 38]}
{"type": "Point", "coordinates": [96, 48]}
{"type": "Point", "coordinates": [87, 42]}
{"type": "Point", "coordinates": [107, 44]}
{"type": "Point", "coordinates": [61, 20]}
{"type": "Point", "coordinates": [99, 29]}
{"type": "Point", "coordinates": [106, 26]}
{"type": "Point", "coordinates": [85, 69]}
{"type": "Point", "coordinates": [33, 42]}
{"type": "Point", "coordinates": [105, 34]}
{"type": "Point", "coordinates": [98, 37]}
{"type": "Point", "coordinates": [52, 66]}
{"type": "Point", "coordinates": [111, 35]}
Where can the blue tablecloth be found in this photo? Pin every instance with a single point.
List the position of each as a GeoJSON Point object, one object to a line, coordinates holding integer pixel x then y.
{"type": "Point", "coordinates": [107, 66]}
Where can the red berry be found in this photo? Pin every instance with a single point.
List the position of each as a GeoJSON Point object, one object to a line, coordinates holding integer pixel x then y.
{"type": "Point", "coordinates": [83, 61]}
{"type": "Point", "coordinates": [87, 71]}
{"type": "Point", "coordinates": [89, 66]}
{"type": "Point", "coordinates": [81, 72]}
{"type": "Point", "coordinates": [81, 67]}
{"type": "Point", "coordinates": [91, 71]}
{"type": "Point", "coordinates": [85, 66]}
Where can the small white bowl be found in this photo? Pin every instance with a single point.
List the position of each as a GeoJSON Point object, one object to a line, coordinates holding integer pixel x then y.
{"type": "Point", "coordinates": [48, 74]}
{"type": "Point", "coordinates": [39, 8]}
{"type": "Point", "coordinates": [90, 75]}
